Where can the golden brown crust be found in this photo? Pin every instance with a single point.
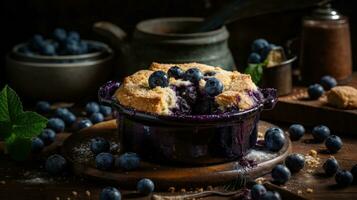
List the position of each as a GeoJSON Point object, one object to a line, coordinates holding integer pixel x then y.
{"type": "Point", "coordinates": [136, 93]}
{"type": "Point", "coordinates": [344, 97]}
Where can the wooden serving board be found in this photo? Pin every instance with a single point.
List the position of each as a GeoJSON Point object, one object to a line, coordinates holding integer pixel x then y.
{"type": "Point", "coordinates": [163, 176]}
{"type": "Point", "coordinates": [298, 108]}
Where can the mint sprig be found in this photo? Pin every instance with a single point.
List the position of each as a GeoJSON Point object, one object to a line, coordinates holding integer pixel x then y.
{"type": "Point", "coordinates": [17, 127]}
{"type": "Point", "coordinates": [255, 71]}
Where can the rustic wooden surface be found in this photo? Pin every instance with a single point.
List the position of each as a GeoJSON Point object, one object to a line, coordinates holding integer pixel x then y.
{"type": "Point", "coordinates": [297, 108]}
{"type": "Point", "coordinates": [18, 180]}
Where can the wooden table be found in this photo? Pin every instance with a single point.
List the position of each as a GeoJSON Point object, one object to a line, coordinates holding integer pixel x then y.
{"type": "Point", "coordinates": [20, 180]}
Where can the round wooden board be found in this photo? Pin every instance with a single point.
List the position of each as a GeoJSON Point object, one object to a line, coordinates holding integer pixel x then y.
{"type": "Point", "coordinates": [163, 176]}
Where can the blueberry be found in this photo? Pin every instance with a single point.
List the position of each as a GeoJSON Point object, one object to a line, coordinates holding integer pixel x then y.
{"type": "Point", "coordinates": [92, 107]}
{"type": "Point", "coordinates": [328, 82]}
{"type": "Point", "coordinates": [330, 166]}
{"type": "Point", "coordinates": [104, 161]}
{"type": "Point", "coordinates": [315, 91]}
{"type": "Point", "coordinates": [320, 133]}
{"type": "Point", "coordinates": [175, 72]}
{"type": "Point", "coordinates": [37, 42]}
{"type": "Point", "coordinates": [295, 162]}
{"type": "Point", "coordinates": [56, 124]}
{"type": "Point", "coordinates": [72, 47]}
{"type": "Point", "coordinates": [43, 107]}
{"type": "Point", "coordinates": [99, 145]}
{"type": "Point", "coordinates": [209, 73]}
{"type": "Point", "coordinates": [254, 58]}
{"type": "Point", "coordinates": [158, 79]}
{"type": "Point", "coordinates": [61, 112]}
{"type": "Point", "coordinates": [105, 110]}
{"type": "Point", "coordinates": [48, 136]}
{"type": "Point", "coordinates": [128, 161]}
{"type": "Point", "coordinates": [37, 145]}
{"type": "Point", "coordinates": [69, 118]}
{"type": "Point", "coordinates": [274, 139]}
{"type": "Point", "coordinates": [84, 123]}
{"type": "Point", "coordinates": [343, 178]}
{"type": "Point", "coordinates": [258, 45]}
{"type": "Point", "coordinates": [354, 173]}
{"type": "Point", "coordinates": [145, 186]}
{"type": "Point", "coordinates": [333, 143]}
{"type": "Point", "coordinates": [265, 52]}
{"type": "Point", "coordinates": [48, 49]}
{"type": "Point", "coordinates": [59, 34]}
{"type": "Point", "coordinates": [257, 191]}
{"type": "Point", "coordinates": [96, 118]}
{"type": "Point", "coordinates": [213, 87]}
{"type": "Point", "coordinates": [280, 174]}
{"type": "Point", "coordinates": [73, 35]}
{"type": "Point", "coordinates": [83, 46]}
{"type": "Point", "coordinates": [194, 75]}
{"type": "Point", "coordinates": [110, 193]}
{"type": "Point", "coordinates": [296, 131]}
{"type": "Point", "coordinates": [271, 196]}
{"type": "Point", "coordinates": [55, 164]}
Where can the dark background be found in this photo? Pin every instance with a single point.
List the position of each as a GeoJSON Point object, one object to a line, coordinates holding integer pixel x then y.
{"type": "Point", "coordinates": [22, 18]}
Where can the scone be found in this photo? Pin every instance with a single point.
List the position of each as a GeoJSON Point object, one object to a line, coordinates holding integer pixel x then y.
{"type": "Point", "coordinates": [191, 89]}
{"type": "Point", "coordinates": [344, 97]}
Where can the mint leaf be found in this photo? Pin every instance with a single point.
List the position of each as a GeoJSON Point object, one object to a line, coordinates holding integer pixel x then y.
{"type": "Point", "coordinates": [255, 71]}
{"type": "Point", "coordinates": [10, 105]}
{"type": "Point", "coordinates": [19, 148]}
{"type": "Point", "coordinates": [28, 124]}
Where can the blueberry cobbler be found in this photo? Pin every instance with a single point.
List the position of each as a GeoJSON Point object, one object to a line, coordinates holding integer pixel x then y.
{"type": "Point", "coordinates": [188, 89]}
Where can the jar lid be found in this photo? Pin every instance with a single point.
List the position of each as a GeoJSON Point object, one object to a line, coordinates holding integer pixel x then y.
{"type": "Point", "coordinates": [325, 12]}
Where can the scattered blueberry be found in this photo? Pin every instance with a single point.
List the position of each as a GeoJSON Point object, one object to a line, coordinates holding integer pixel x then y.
{"type": "Point", "coordinates": [320, 133]}
{"type": "Point", "coordinates": [213, 87]}
{"type": "Point", "coordinates": [158, 79]}
{"type": "Point", "coordinates": [47, 136]}
{"type": "Point", "coordinates": [354, 173]}
{"type": "Point", "coordinates": [37, 145]}
{"type": "Point", "coordinates": [274, 139]}
{"type": "Point", "coordinates": [59, 34]}
{"type": "Point", "coordinates": [92, 107]}
{"type": "Point", "coordinates": [61, 112]}
{"type": "Point", "coordinates": [56, 124]}
{"type": "Point", "coordinates": [265, 52]}
{"type": "Point", "coordinates": [257, 191]}
{"type": "Point", "coordinates": [37, 42]}
{"type": "Point", "coordinates": [315, 91]}
{"type": "Point", "coordinates": [194, 75]}
{"type": "Point", "coordinates": [128, 161]}
{"type": "Point", "coordinates": [295, 162]}
{"type": "Point", "coordinates": [84, 123]}
{"type": "Point", "coordinates": [104, 161]}
{"type": "Point", "coordinates": [55, 164]}
{"type": "Point", "coordinates": [96, 118]}
{"type": "Point", "coordinates": [328, 82]}
{"type": "Point", "coordinates": [343, 178]}
{"type": "Point", "coordinates": [254, 58]}
{"type": "Point", "coordinates": [271, 196]}
{"type": "Point", "coordinates": [48, 49]}
{"type": "Point", "coordinates": [69, 118]}
{"type": "Point", "coordinates": [296, 131]}
{"type": "Point", "coordinates": [333, 143]}
{"type": "Point", "coordinates": [43, 107]}
{"type": "Point", "coordinates": [175, 72]}
{"type": "Point", "coordinates": [73, 35]}
{"type": "Point", "coordinates": [280, 174]}
{"type": "Point", "coordinates": [145, 186]}
{"type": "Point", "coordinates": [330, 166]}
{"type": "Point", "coordinates": [110, 193]}
{"type": "Point", "coordinates": [259, 45]}
{"type": "Point", "coordinates": [71, 47]}
{"type": "Point", "coordinates": [99, 145]}
{"type": "Point", "coordinates": [105, 110]}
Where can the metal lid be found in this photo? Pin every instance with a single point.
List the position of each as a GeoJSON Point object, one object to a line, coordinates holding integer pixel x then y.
{"type": "Point", "coordinates": [325, 12]}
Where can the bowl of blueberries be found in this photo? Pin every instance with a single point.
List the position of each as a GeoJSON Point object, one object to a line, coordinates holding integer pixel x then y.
{"type": "Point", "coordinates": [61, 66]}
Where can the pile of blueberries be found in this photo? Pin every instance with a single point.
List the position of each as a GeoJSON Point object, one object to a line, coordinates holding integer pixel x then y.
{"type": "Point", "coordinates": [188, 96]}
{"type": "Point", "coordinates": [316, 90]}
{"type": "Point", "coordinates": [260, 50]}
{"type": "Point", "coordinates": [61, 42]}
{"type": "Point", "coordinates": [63, 118]}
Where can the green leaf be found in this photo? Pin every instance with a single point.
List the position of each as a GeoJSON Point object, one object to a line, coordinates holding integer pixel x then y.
{"type": "Point", "coordinates": [5, 129]}
{"type": "Point", "coordinates": [255, 71]}
{"type": "Point", "coordinates": [29, 124]}
{"type": "Point", "coordinates": [19, 148]}
{"type": "Point", "coordinates": [10, 105]}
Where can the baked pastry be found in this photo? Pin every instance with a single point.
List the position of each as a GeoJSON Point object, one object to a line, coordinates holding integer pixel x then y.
{"type": "Point", "coordinates": [191, 89]}
{"type": "Point", "coordinates": [344, 97]}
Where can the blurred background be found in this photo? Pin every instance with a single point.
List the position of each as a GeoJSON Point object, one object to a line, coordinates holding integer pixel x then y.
{"type": "Point", "coordinates": [23, 18]}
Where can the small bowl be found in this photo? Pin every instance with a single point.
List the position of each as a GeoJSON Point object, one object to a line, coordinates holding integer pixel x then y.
{"type": "Point", "coordinates": [187, 139]}
{"type": "Point", "coordinates": [60, 78]}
